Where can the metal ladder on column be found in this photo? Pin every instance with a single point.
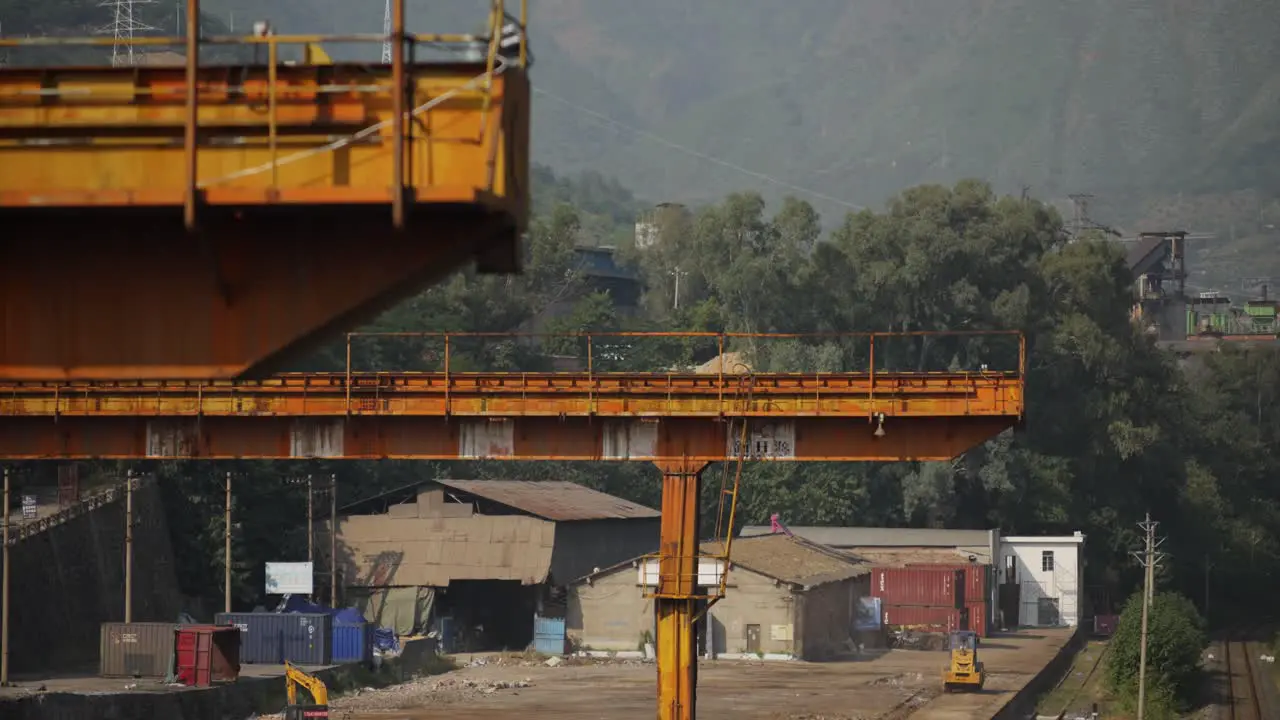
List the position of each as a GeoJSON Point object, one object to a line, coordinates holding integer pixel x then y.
{"type": "Point", "coordinates": [731, 478]}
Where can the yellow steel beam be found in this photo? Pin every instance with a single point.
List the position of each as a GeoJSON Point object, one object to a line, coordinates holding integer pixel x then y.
{"type": "Point", "coordinates": [529, 394]}
{"type": "Point", "coordinates": [105, 136]}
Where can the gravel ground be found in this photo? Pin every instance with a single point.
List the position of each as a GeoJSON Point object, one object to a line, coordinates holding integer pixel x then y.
{"type": "Point", "coordinates": [889, 686]}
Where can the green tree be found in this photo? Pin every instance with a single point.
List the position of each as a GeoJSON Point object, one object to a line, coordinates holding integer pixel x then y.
{"type": "Point", "coordinates": [1175, 641]}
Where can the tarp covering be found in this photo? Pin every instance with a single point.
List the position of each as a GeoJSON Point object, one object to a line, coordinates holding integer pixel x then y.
{"type": "Point", "coordinates": [407, 610]}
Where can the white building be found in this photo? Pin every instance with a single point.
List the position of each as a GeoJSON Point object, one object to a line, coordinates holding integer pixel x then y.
{"type": "Point", "coordinates": [1048, 572]}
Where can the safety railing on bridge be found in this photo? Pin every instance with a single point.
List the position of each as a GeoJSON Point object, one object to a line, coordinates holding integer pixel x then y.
{"type": "Point", "coordinates": [978, 353]}
{"type": "Point", "coordinates": [503, 29]}
{"type": "Point", "coordinates": [607, 373]}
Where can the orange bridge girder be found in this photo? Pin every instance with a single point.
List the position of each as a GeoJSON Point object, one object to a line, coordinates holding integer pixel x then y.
{"type": "Point", "coordinates": [676, 420]}
{"type": "Point", "coordinates": [530, 416]}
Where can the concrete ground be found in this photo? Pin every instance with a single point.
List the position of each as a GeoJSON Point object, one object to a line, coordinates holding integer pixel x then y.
{"type": "Point", "coordinates": [894, 685]}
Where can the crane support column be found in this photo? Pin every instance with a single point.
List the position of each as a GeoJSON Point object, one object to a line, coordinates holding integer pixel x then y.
{"type": "Point", "coordinates": [675, 602]}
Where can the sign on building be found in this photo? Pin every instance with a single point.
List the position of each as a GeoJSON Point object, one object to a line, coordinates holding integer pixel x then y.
{"type": "Point", "coordinates": [30, 511]}
{"type": "Point", "coordinates": [289, 578]}
{"type": "Point", "coordinates": [710, 571]}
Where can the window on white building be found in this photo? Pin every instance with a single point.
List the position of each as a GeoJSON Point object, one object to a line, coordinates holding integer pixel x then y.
{"type": "Point", "coordinates": [1046, 561]}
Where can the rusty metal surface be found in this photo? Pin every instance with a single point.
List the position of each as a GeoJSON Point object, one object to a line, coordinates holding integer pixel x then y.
{"type": "Point", "coordinates": [435, 438]}
{"type": "Point", "coordinates": [447, 415]}
{"type": "Point", "coordinates": [263, 289]}
{"type": "Point", "coordinates": [98, 136]}
{"type": "Point", "coordinates": [556, 500]}
{"type": "Point", "coordinates": [226, 200]}
{"type": "Point", "coordinates": [525, 394]}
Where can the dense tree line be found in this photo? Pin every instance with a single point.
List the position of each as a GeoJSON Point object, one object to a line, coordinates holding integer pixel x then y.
{"type": "Point", "coordinates": [1115, 426]}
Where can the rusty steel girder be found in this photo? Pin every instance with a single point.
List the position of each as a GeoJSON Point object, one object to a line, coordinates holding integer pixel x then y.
{"type": "Point", "coordinates": [550, 416]}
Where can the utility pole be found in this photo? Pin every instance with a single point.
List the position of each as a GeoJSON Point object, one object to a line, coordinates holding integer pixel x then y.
{"type": "Point", "coordinates": [1149, 558]}
{"type": "Point", "coordinates": [128, 547]}
{"type": "Point", "coordinates": [1207, 566]}
{"type": "Point", "coordinates": [333, 541]}
{"type": "Point", "coordinates": [386, 33]}
{"type": "Point", "coordinates": [677, 272]}
{"type": "Point", "coordinates": [4, 592]}
{"type": "Point", "coordinates": [311, 536]}
{"type": "Point", "coordinates": [311, 533]}
{"type": "Point", "coordinates": [226, 556]}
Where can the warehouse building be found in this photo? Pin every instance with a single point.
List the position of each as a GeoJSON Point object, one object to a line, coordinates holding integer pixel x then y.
{"type": "Point", "coordinates": [786, 597]}
{"type": "Point", "coordinates": [476, 560]}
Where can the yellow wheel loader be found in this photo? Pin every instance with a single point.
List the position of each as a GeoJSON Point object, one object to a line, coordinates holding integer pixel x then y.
{"type": "Point", "coordinates": [965, 673]}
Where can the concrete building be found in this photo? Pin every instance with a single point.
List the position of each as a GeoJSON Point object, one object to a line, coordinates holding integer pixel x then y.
{"type": "Point", "coordinates": [482, 557]}
{"type": "Point", "coordinates": [786, 597]}
{"type": "Point", "coordinates": [1041, 580]}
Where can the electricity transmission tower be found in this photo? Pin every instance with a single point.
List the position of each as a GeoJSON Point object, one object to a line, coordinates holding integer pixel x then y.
{"type": "Point", "coordinates": [123, 25]}
{"type": "Point", "coordinates": [386, 32]}
{"type": "Point", "coordinates": [1081, 221]}
{"type": "Point", "coordinates": [1149, 558]}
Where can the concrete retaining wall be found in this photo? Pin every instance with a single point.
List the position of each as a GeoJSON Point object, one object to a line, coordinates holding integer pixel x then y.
{"type": "Point", "coordinates": [69, 579]}
{"type": "Point", "coordinates": [1023, 703]}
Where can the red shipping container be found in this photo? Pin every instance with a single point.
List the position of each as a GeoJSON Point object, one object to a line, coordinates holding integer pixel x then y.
{"type": "Point", "coordinates": [918, 586]}
{"type": "Point", "coordinates": [922, 618]}
{"type": "Point", "coordinates": [978, 620]}
{"type": "Point", "coordinates": [207, 654]}
{"type": "Point", "coordinates": [976, 585]}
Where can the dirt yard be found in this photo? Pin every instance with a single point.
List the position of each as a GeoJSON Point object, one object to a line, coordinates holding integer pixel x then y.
{"type": "Point", "coordinates": [891, 686]}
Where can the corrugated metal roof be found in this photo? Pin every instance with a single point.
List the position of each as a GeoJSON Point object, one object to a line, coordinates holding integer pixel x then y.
{"type": "Point", "coordinates": [555, 500]}
{"type": "Point", "coordinates": [789, 559]}
{"type": "Point", "coordinates": [850, 537]}
{"type": "Point", "coordinates": [1143, 253]}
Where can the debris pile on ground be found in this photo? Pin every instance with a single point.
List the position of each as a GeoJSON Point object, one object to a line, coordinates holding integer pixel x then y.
{"type": "Point", "coordinates": [426, 691]}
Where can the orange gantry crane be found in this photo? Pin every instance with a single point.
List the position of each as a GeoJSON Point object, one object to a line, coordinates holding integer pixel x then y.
{"type": "Point", "coordinates": [212, 221]}
{"type": "Point", "coordinates": [680, 421]}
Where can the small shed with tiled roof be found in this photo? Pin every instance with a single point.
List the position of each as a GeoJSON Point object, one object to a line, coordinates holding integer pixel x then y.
{"type": "Point", "coordinates": [786, 597]}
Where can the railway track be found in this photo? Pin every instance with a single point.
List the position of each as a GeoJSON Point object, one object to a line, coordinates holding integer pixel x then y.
{"type": "Point", "coordinates": [1245, 681]}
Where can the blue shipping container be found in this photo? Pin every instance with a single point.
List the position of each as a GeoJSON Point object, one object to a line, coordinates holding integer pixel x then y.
{"type": "Point", "coordinates": [272, 638]}
{"type": "Point", "coordinates": [353, 642]}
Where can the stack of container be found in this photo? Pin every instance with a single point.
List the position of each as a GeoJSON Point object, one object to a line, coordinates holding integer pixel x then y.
{"type": "Point", "coordinates": [921, 599]}
{"type": "Point", "coordinates": [977, 592]}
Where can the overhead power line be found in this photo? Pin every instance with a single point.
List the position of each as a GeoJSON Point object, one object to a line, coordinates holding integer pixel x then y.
{"type": "Point", "coordinates": [696, 153]}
